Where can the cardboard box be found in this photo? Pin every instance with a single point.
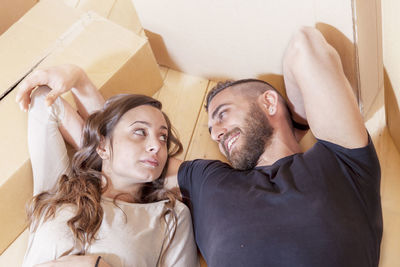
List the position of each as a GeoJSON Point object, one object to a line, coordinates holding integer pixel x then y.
{"type": "Point", "coordinates": [391, 58]}
{"type": "Point", "coordinates": [121, 12]}
{"type": "Point", "coordinates": [116, 60]}
{"type": "Point", "coordinates": [218, 41]}
{"type": "Point", "coordinates": [392, 110]}
{"type": "Point", "coordinates": [12, 10]}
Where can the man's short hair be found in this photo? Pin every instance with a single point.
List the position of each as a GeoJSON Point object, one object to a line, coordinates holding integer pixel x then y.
{"type": "Point", "coordinates": [256, 90]}
{"type": "Point", "coordinates": [223, 85]}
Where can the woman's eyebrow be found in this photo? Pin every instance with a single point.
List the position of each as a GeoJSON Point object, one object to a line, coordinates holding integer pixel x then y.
{"type": "Point", "coordinates": [162, 127]}
{"type": "Point", "coordinates": [143, 122]}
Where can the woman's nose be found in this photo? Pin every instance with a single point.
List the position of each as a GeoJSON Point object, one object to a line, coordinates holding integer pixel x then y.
{"type": "Point", "coordinates": [153, 145]}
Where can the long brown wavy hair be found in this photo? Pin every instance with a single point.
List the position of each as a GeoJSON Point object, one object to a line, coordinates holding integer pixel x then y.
{"type": "Point", "coordinates": [83, 187]}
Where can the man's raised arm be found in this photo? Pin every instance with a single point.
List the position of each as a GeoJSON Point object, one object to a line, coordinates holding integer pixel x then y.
{"type": "Point", "coordinates": [319, 91]}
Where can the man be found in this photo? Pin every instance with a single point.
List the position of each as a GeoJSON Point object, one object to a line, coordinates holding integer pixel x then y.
{"type": "Point", "coordinates": [277, 206]}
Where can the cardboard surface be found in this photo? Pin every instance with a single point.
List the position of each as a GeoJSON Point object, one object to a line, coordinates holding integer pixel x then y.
{"type": "Point", "coordinates": [14, 255]}
{"type": "Point", "coordinates": [30, 38]}
{"type": "Point", "coordinates": [240, 39]}
{"type": "Point", "coordinates": [391, 58]}
{"type": "Point", "coordinates": [116, 60]}
{"type": "Point", "coordinates": [224, 40]}
{"type": "Point", "coordinates": [121, 12]}
{"type": "Point", "coordinates": [369, 50]}
{"type": "Point", "coordinates": [12, 10]}
{"type": "Point", "coordinates": [392, 109]}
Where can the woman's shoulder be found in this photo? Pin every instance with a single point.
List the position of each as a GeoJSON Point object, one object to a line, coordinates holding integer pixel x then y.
{"type": "Point", "coordinates": [181, 209]}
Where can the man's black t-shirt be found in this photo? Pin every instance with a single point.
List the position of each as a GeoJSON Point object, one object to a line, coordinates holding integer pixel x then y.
{"type": "Point", "coordinates": [319, 208]}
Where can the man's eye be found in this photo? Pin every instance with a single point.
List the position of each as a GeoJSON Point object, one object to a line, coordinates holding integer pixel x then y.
{"type": "Point", "coordinates": [140, 132]}
{"type": "Point", "coordinates": [221, 115]}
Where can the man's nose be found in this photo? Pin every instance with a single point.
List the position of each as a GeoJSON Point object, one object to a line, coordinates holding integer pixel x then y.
{"type": "Point", "coordinates": [218, 133]}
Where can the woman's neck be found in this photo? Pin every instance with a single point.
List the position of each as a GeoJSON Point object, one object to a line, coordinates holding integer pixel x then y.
{"type": "Point", "coordinates": [128, 194]}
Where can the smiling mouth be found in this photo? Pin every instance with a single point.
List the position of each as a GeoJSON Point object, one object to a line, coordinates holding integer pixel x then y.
{"type": "Point", "coordinates": [230, 141]}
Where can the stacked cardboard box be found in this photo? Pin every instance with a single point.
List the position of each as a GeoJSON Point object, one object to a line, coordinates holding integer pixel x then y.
{"type": "Point", "coordinates": [121, 12]}
{"type": "Point", "coordinates": [116, 59]}
{"type": "Point", "coordinates": [12, 10]}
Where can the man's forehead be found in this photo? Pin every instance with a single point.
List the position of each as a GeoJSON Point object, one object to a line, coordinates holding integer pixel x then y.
{"type": "Point", "coordinates": [222, 98]}
{"type": "Point", "coordinates": [226, 98]}
{"type": "Point", "coordinates": [229, 94]}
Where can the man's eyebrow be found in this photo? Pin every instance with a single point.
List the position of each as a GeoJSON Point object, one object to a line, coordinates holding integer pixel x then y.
{"type": "Point", "coordinates": [218, 109]}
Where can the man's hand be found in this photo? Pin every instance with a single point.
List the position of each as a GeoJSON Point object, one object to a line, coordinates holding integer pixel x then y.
{"type": "Point", "coordinates": [76, 261]}
{"type": "Point", "coordinates": [60, 79]}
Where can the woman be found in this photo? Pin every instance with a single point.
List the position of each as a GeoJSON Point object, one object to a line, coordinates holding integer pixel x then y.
{"type": "Point", "coordinates": [111, 200]}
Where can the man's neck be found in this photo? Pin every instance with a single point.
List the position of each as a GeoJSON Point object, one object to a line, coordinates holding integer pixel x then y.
{"type": "Point", "coordinates": [280, 146]}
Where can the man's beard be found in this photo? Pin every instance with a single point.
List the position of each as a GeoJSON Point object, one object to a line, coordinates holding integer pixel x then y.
{"type": "Point", "coordinates": [257, 133]}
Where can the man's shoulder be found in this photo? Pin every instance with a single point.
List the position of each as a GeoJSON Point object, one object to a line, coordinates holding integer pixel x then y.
{"type": "Point", "coordinates": [363, 160]}
{"type": "Point", "coordinates": [202, 163]}
{"type": "Point", "coordinates": [325, 146]}
{"type": "Point", "coordinates": [200, 169]}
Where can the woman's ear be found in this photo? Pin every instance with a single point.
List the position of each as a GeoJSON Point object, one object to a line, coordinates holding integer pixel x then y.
{"type": "Point", "coordinates": [269, 101]}
{"type": "Point", "coordinates": [103, 149]}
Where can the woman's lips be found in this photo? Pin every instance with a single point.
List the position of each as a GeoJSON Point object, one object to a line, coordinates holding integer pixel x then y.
{"type": "Point", "coordinates": [150, 162]}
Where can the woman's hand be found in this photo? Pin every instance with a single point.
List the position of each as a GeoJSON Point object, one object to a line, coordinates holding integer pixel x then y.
{"type": "Point", "coordinates": [76, 261]}
{"type": "Point", "coordinates": [60, 79]}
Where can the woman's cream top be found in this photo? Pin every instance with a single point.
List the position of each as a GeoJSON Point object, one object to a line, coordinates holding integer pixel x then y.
{"type": "Point", "coordinates": [131, 234]}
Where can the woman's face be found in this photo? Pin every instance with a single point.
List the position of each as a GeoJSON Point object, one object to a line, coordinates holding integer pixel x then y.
{"type": "Point", "coordinates": [139, 148]}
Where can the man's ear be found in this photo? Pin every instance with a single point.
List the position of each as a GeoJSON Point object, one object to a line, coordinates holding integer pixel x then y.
{"type": "Point", "coordinates": [269, 100]}
{"type": "Point", "coordinates": [103, 149]}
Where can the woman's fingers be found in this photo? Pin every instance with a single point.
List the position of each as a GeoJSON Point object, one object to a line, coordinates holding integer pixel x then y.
{"type": "Point", "coordinates": [26, 86]}
{"type": "Point", "coordinates": [51, 97]}
{"type": "Point", "coordinates": [60, 79]}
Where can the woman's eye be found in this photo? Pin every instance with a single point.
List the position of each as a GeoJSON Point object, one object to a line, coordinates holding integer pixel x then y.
{"type": "Point", "coordinates": [140, 132]}
{"type": "Point", "coordinates": [164, 138]}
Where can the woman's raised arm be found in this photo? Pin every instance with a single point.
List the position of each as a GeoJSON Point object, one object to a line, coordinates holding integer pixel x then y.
{"type": "Point", "coordinates": [62, 79]}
